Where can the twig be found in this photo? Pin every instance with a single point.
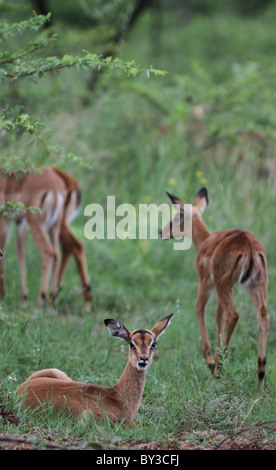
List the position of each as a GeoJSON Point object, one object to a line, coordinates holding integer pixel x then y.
{"type": "Point", "coordinates": [22, 440]}
{"type": "Point", "coordinates": [238, 433]}
{"type": "Point", "coordinates": [248, 413]}
{"type": "Point", "coordinates": [12, 59]}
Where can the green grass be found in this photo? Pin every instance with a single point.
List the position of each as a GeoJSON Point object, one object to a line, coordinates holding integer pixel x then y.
{"type": "Point", "coordinates": [180, 394]}
{"type": "Point", "coordinates": [117, 130]}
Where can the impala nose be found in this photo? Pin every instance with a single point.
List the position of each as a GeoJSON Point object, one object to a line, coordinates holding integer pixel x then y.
{"type": "Point", "coordinates": [142, 364]}
{"type": "Point", "coordinates": [145, 359]}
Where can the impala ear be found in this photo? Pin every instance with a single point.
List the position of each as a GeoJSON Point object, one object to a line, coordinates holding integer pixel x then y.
{"type": "Point", "coordinates": [118, 329]}
{"type": "Point", "coordinates": [201, 200]}
{"type": "Point", "coordinates": [160, 327]}
{"type": "Point", "coordinates": [174, 199]}
{"type": "Point", "coordinates": [179, 204]}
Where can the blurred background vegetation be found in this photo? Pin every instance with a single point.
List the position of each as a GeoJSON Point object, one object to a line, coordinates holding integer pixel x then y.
{"type": "Point", "coordinates": [209, 121]}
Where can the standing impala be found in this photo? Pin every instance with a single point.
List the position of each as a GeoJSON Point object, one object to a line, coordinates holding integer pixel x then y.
{"type": "Point", "coordinates": [57, 195]}
{"type": "Point", "coordinates": [223, 259]}
{"type": "Point", "coordinates": [119, 402]}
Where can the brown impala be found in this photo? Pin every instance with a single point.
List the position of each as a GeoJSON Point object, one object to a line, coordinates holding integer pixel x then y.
{"type": "Point", "coordinates": [118, 402]}
{"type": "Point", "coordinates": [57, 195]}
{"type": "Point", "coordinates": [223, 259]}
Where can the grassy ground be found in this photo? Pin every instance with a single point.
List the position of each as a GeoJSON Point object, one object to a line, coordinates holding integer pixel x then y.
{"type": "Point", "coordinates": [137, 137]}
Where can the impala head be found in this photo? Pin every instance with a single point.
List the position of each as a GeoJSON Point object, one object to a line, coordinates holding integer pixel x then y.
{"type": "Point", "coordinates": [141, 341]}
{"type": "Point", "coordinates": [181, 223]}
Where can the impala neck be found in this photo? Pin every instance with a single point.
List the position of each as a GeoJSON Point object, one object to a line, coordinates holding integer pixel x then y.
{"type": "Point", "coordinates": [131, 387]}
{"type": "Point", "coordinates": [200, 232]}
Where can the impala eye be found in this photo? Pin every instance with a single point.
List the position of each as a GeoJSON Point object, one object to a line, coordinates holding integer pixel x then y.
{"type": "Point", "coordinates": [153, 345]}
{"type": "Point", "coordinates": [132, 345]}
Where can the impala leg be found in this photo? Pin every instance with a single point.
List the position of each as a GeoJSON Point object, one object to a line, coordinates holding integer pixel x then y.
{"type": "Point", "coordinates": [72, 246]}
{"type": "Point", "coordinates": [230, 326]}
{"type": "Point", "coordinates": [3, 233]}
{"type": "Point", "coordinates": [226, 320]}
{"type": "Point", "coordinates": [54, 237]}
{"type": "Point", "coordinates": [220, 322]}
{"type": "Point", "coordinates": [48, 256]}
{"type": "Point", "coordinates": [65, 258]}
{"type": "Point", "coordinates": [204, 294]}
{"type": "Point", "coordinates": [21, 237]}
{"type": "Point", "coordinates": [259, 298]}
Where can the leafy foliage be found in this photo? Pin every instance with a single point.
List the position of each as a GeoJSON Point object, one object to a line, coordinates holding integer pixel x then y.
{"type": "Point", "coordinates": [24, 63]}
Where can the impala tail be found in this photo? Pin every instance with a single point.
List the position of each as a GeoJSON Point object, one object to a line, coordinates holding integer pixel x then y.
{"type": "Point", "coordinates": [73, 199]}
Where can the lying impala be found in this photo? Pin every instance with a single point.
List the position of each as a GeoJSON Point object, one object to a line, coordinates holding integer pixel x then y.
{"type": "Point", "coordinates": [119, 402]}
{"type": "Point", "coordinates": [223, 259]}
{"type": "Point", "coordinates": [57, 195]}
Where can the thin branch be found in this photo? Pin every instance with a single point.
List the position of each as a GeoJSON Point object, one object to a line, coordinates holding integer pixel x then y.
{"type": "Point", "coordinates": [33, 72]}
{"type": "Point", "coordinates": [10, 61]}
{"type": "Point", "coordinates": [266, 424]}
{"type": "Point", "coordinates": [22, 440]}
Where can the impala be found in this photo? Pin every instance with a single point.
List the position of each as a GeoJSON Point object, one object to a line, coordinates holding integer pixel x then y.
{"type": "Point", "coordinates": [223, 259]}
{"type": "Point", "coordinates": [119, 402]}
{"type": "Point", "coordinates": [57, 195]}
